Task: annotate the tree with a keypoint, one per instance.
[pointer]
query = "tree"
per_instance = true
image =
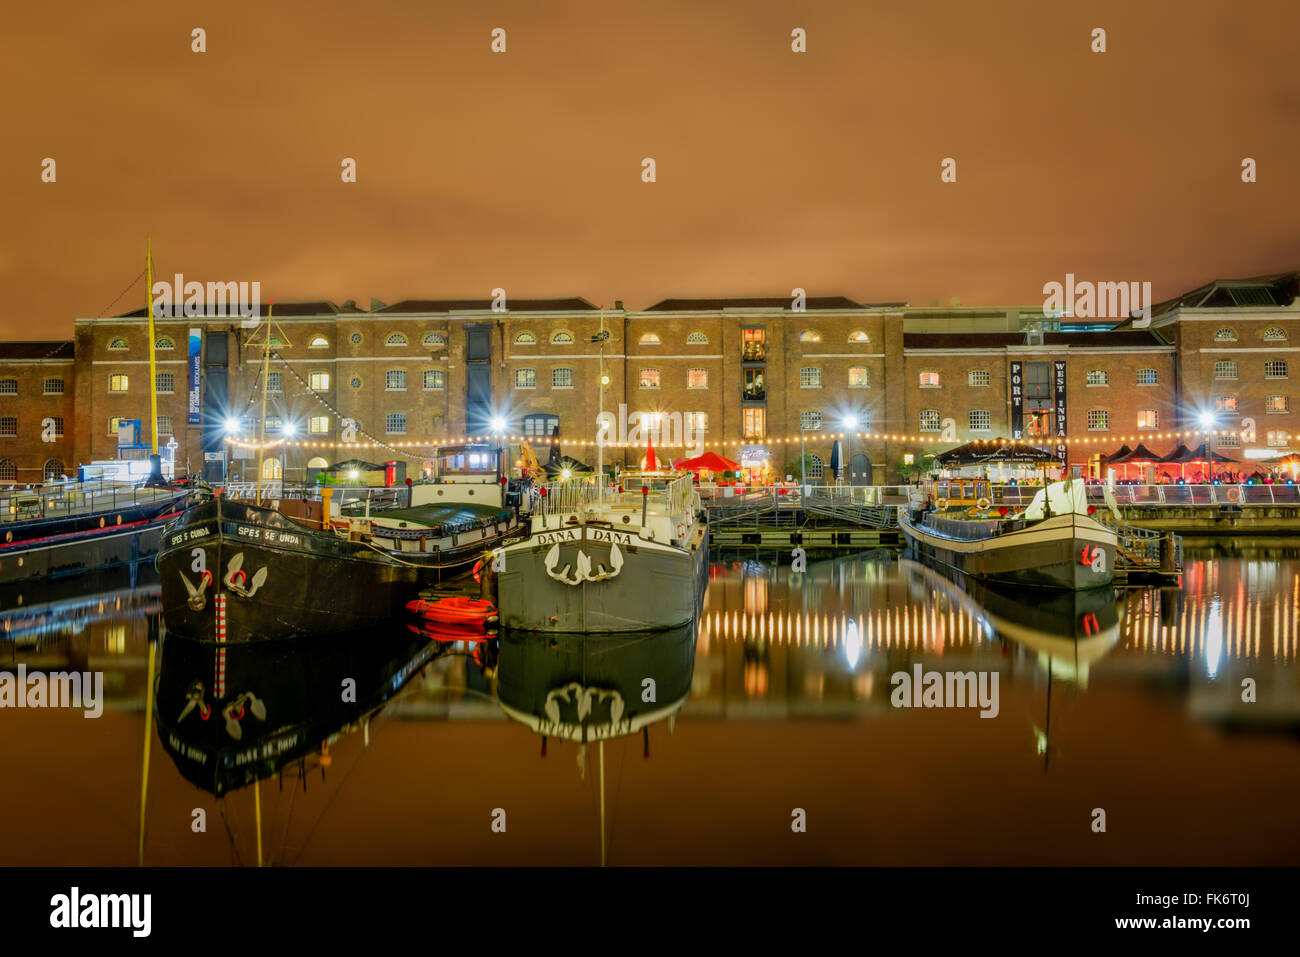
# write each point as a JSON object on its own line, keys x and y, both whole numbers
{"x": 801, "y": 466}
{"x": 922, "y": 465}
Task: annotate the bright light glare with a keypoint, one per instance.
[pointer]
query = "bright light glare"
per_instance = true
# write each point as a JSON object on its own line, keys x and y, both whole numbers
{"x": 290, "y": 429}
{"x": 498, "y": 424}
{"x": 232, "y": 425}
{"x": 850, "y": 422}
{"x": 1207, "y": 419}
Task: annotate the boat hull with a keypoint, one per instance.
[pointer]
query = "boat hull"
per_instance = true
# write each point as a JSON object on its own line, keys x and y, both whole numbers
{"x": 296, "y": 581}
{"x": 1058, "y": 552}
{"x": 657, "y": 585}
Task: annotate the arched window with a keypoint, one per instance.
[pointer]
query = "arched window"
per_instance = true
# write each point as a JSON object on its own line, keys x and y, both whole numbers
{"x": 858, "y": 335}
{"x": 117, "y": 344}
{"x": 562, "y": 338}
{"x": 395, "y": 339}
{"x": 53, "y": 471}
{"x": 318, "y": 342}
{"x": 809, "y": 336}
{"x": 650, "y": 339}
{"x": 1225, "y": 334}
{"x": 697, "y": 338}
{"x": 164, "y": 342}
{"x": 813, "y": 464}
{"x": 8, "y": 471}
{"x": 434, "y": 340}
{"x": 1274, "y": 334}
{"x": 525, "y": 339}
{"x": 1225, "y": 369}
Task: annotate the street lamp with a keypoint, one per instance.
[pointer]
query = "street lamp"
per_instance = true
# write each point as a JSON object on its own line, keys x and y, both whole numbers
{"x": 850, "y": 424}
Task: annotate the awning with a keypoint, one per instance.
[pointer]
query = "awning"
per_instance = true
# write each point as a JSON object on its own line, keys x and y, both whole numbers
{"x": 993, "y": 452}
{"x": 710, "y": 461}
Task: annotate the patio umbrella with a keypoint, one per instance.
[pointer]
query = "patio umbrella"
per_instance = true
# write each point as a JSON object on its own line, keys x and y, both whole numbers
{"x": 650, "y": 464}
{"x": 710, "y": 461}
{"x": 837, "y": 453}
{"x": 555, "y": 446}
{"x": 1118, "y": 454}
{"x": 555, "y": 468}
{"x": 993, "y": 453}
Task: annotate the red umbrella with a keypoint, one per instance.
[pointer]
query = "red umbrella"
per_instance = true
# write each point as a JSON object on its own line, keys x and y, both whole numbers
{"x": 710, "y": 461}
{"x": 650, "y": 464}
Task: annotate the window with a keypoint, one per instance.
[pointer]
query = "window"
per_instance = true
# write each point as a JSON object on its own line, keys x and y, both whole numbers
{"x": 355, "y": 383}
{"x": 754, "y": 345}
{"x": 274, "y": 382}
{"x": 980, "y": 420}
{"x": 650, "y": 339}
{"x": 1274, "y": 334}
{"x": 395, "y": 339}
{"x": 163, "y": 342}
{"x": 1276, "y": 439}
{"x": 55, "y": 386}
{"x": 434, "y": 340}
{"x": 813, "y": 465}
{"x": 525, "y": 339}
{"x": 810, "y": 421}
{"x": 1098, "y": 420}
{"x": 754, "y": 388}
{"x": 1097, "y": 377}
{"x": 859, "y": 336}
{"x": 1277, "y": 403}
{"x": 318, "y": 342}
{"x": 8, "y": 386}
{"x": 114, "y": 424}
{"x": 56, "y": 423}
{"x": 1224, "y": 334}
{"x": 319, "y": 381}
{"x": 1225, "y": 369}
{"x": 929, "y": 380}
{"x": 274, "y": 425}
{"x": 1038, "y": 380}
{"x": 435, "y": 379}
{"x": 1148, "y": 419}
{"x": 1273, "y": 369}
{"x": 697, "y": 378}
{"x": 117, "y": 383}
{"x": 978, "y": 377}
{"x": 53, "y": 471}
{"x": 810, "y": 377}
{"x": 8, "y": 426}
{"x": 859, "y": 378}
{"x": 1147, "y": 377}
{"x": 540, "y": 426}
{"x": 318, "y": 424}
{"x": 395, "y": 423}
{"x": 525, "y": 378}
{"x": 355, "y": 338}
{"x": 755, "y": 423}
{"x": 164, "y": 425}
{"x": 929, "y": 420}
{"x": 697, "y": 338}
{"x": 697, "y": 423}
{"x": 1228, "y": 440}
{"x": 395, "y": 380}
{"x": 1226, "y": 403}
{"x": 8, "y": 471}
{"x": 561, "y": 378}
{"x": 117, "y": 344}
{"x": 561, "y": 338}
{"x": 809, "y": 336}
{"x": 649, "y": 378}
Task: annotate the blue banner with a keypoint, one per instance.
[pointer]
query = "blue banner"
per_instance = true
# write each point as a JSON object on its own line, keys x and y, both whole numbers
{"x": 195, "y": 373}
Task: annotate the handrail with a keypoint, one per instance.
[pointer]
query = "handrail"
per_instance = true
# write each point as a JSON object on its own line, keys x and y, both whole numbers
{"x": 70, "y": 498}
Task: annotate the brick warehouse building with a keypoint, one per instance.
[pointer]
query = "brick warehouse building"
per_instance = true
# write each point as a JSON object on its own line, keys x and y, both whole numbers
{"x": 752, "y": 374}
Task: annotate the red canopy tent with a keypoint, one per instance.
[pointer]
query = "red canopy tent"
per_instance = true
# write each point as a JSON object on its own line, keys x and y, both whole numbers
{"x": 650, "y": 463}
{"x": 709, "y": 461}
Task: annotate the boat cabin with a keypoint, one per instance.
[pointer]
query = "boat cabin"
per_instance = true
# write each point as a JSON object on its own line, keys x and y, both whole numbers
{"x": 468, "y": 463}
{"x": 962, "y": 493}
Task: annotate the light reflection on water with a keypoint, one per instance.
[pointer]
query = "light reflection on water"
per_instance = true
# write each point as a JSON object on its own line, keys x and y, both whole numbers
{"x": 1130, "y": 700}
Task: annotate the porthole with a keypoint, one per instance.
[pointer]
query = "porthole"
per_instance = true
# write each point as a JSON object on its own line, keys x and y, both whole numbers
{"x": 355, "y": 382}
{"x": 355, "y": 338}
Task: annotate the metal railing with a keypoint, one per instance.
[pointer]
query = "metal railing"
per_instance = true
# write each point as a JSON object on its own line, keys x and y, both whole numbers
{"x": 1201, "y": 494}
{"x": 67, "y": 499}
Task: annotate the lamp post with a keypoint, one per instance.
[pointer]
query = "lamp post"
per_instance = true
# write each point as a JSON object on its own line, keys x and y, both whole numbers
{"x": 851, "y": 426}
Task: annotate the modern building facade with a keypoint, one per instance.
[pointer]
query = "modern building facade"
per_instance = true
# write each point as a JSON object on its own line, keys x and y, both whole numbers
{"x": 753, "y": 378}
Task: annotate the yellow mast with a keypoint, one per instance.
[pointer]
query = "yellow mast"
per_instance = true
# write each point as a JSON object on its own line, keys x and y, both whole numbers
{"x": 266, "y": 366}
{"x": 153, "y": 371}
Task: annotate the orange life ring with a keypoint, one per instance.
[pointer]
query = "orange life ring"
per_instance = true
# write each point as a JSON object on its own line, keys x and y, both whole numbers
{"x": 941, "y": 504}
{"x": 983, "y": 504}
{"x": 1233, "y": 494}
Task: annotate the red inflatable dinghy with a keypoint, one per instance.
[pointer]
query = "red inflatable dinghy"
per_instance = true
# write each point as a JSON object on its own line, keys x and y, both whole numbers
{"x": 456, "y": 610}
{"x": 436, "y": 632}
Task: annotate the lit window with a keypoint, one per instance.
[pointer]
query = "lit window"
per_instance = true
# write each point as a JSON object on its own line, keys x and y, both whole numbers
{"x": 525, "y": 378}
{"x": 1098, "y": 377}
{"x": 859, "y": 378}
{"x": 395, "y": 380}
{"x": 274, "y": 382}
{"x": 54, "y": 387}
{"x": 649, "y": 378}
{"x": 318, "y": 424}
{"x": 1098, "y": 420}
{"x": 164, "y": 425}
{"x": 859, "y": 336}
{"x": 435, "y": 379}
{"x": 809, "y": 336}
{"x": 650, "y": 339}
{"x": 754, "y": 345}
{"x": 929, "y": 420}
{"x": 1224, "y": 334}
{"x": 395, "y": 339}
{"x": 117, "y": 344}
{"x": 163, "y": 342}
{"x": 525, "y": 339}
{"x": 1226, "y": 403}
{"x": 274, "y": 424}
{"x": 697, "y": 423}
{"x": 114, "y": 424}
{"x": 978, "y": 377}
{"x": 1275, "y": 369}
{"x": 810, "y": 421}
{"x": 1276, "y": 439}
{"x": 980, "y": 420}
{"x": 1225, "y": 369}
{"x": 434, "y": 340}
{"x": 755, "y": 423}
{"x": 697, "y": 339}
{"x": 1274, "y": 334}
{"x": 697, "y": 379}
{"x": 929, "y": 380}
{"x": 1147, "y": 377}
{"x": 562, "y": 338}
{"x": 810, "y": 377}
{"x": 117, "y": 383}
{"x": 319, "y": 381}
{"x": 540, "y": 425}
{"x": 395, "y": 423}
{"x": 1277, "y": 403}
{"x": 1228, "y": 440}
{"x": 8, "y": 386}
{"x": 318, "y": 342}
{"x": 1148, "y": 419}
{"x": 561, "y": 378}
{"x": 165, "y": 382}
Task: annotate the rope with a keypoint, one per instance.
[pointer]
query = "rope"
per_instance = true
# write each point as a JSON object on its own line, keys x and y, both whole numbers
{"x": 122, "y": 293}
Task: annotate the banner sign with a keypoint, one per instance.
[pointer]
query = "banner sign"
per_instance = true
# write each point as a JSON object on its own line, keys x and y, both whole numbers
{"x": 1058, "y": 374}
{"x": 195, "y": 375}
{"x": 1017, "y": 400}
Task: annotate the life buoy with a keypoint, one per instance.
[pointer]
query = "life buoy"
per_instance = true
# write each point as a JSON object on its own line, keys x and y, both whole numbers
{"x": 941, "y": 504}
{"x": 982, "y": 504}
{"x": 1233, "y": 494}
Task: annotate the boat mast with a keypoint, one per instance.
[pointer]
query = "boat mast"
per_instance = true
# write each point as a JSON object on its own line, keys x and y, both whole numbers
{"x": 600, "y": 391}
{"x": 266, "y": 367}
{"x": 153, "y": 369}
